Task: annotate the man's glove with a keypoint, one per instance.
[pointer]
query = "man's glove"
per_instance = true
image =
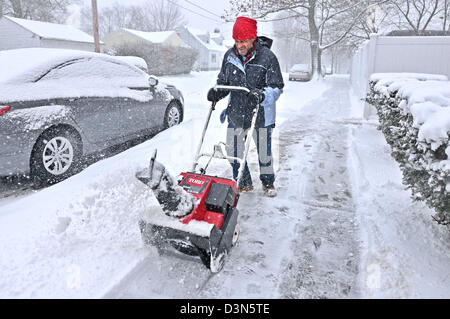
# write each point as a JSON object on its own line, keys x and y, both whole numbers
{"x": 213, "y": 95}
{"x": 256, "y": 96}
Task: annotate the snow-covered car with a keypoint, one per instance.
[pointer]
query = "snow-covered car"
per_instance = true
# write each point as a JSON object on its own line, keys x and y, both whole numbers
{"x": 300, "y": 72}
{"x": 57, "y": 106}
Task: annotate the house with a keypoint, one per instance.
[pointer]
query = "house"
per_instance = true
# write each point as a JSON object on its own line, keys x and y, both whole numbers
{"x": 18, "y": 33}
{"x": 217, "y": 37}
{"x": 121, "y": 36}
{"x": 210, "y": 48}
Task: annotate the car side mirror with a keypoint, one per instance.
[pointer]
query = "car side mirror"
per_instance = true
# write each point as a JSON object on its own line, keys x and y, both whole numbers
{"x": 153, "y": 81}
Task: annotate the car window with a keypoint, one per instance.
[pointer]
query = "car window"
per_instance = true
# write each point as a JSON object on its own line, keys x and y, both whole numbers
{"x": 300, "y": 68}
{"x": 91, "y": 67}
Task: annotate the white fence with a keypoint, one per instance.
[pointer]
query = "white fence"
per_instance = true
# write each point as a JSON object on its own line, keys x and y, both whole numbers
{"x": 399, "y": 54}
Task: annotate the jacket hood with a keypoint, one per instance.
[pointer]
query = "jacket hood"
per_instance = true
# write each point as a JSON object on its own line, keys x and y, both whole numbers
{"x": 264, "y": 41}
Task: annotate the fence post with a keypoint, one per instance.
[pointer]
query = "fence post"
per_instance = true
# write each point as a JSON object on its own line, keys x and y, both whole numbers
{"x": 370, "y": 68}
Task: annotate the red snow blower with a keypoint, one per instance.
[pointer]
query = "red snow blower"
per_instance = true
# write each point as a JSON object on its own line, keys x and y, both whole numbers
{"x": 199, "y": 215}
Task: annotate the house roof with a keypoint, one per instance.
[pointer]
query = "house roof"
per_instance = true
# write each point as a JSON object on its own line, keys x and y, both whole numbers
{"x": 55, "y": 31}
{"x": 195, "y": 31}
{"x": 154, "y": 37}
{"x": 212, "y": 45}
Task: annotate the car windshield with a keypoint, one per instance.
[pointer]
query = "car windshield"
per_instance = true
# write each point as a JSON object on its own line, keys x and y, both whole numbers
{"x": 24, "y": 65}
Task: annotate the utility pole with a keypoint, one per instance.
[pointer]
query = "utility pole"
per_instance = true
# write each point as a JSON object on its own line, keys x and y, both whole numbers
{"x": 95, "y": 25}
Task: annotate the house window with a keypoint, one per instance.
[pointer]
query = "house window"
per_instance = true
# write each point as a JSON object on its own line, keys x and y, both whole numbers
{"x": 213, "y": 58}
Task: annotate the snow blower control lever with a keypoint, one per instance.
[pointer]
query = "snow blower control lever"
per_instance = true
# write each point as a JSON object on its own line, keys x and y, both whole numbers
{"x": 218, "y": 152}
{"x": 201, "y": 209}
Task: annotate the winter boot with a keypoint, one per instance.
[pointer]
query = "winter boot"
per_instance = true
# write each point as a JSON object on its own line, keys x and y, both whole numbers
{"x": 245, "y": 189}
{"x": 269, "y": 190}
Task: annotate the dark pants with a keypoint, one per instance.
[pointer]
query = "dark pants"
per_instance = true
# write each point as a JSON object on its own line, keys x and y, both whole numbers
{"x": 236, "y": 146}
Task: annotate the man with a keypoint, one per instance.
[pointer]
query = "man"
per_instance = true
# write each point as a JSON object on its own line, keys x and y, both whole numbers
{"x": 250, "y": 63}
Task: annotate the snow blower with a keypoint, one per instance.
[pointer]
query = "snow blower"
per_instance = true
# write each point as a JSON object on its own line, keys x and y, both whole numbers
{"x": 199, "y": 215}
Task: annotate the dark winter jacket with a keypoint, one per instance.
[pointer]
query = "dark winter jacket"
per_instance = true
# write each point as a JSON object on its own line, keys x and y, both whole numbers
{"x": 262, "y": 71}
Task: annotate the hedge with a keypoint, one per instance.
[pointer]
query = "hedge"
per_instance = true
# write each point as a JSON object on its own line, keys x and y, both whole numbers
{"x": 425, "y": 171}
{"x": 161, "y": 60}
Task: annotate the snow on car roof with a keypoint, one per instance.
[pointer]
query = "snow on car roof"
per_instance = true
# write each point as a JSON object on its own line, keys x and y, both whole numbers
{"x": 22, "y": 65}
{"x": 53, "y": 30}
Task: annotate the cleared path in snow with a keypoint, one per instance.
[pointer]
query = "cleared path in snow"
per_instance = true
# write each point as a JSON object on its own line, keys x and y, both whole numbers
{"x": 302, "y": 244}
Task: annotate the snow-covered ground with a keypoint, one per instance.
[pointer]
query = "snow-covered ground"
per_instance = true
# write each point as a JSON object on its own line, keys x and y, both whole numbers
{"x": 342, "y": 225}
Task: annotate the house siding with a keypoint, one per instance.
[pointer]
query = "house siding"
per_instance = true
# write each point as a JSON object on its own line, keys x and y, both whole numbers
{"x": 202, "y": 62}
{"x": 61, "y": 44}
{"x": 13, "y": 36}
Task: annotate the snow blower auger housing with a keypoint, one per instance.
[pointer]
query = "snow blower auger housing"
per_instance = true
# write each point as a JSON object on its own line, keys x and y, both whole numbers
{"x": 199, "y": 215}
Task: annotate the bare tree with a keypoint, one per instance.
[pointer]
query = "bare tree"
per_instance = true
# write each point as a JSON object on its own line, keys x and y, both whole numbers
{"x": 163, "y": 15}
{"x": 109, "y": 19}
{"x": 417, "y": 15}
{"x": 378, "y": 19}
{"x": 152, "y": 16}
{"x": 41, "y": 10}
{"x": 446, "y": 16}
{"x": 291, "y": 48}
{"x": 2, "y": 6}
{"x": 328, "y": 22}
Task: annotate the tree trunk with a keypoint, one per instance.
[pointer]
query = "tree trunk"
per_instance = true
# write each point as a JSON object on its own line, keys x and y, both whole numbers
{"x": 314, "y": 36}
{"x": 319, "y": 63}
{"x": 333, "y": 60}
{"x": 288, "y": 55}
{"x": 446, "y": 13}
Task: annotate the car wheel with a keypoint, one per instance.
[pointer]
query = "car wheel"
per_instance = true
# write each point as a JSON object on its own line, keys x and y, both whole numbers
{"x": 55, "y": 155}
{"x": 173, "y": 115}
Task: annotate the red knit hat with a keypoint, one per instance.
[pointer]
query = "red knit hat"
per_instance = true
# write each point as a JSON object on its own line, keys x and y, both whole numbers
{"x": 244, "y": 28}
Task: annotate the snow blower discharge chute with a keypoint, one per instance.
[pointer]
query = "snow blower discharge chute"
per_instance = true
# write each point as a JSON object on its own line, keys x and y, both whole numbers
{"x": 200, "y": 217}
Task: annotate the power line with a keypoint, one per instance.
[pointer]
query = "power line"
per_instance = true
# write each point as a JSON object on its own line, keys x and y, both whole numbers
{"x": 199, "y": 14}
{"x": 196, "y": 5}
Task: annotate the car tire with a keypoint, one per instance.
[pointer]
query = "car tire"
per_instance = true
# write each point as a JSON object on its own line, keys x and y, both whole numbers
{"x": 56, "y": 155}
{"x": 173, "y": 115}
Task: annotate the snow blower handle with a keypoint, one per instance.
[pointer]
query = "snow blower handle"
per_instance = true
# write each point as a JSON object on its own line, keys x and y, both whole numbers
{"x": 213, "y": 106}
{"x": 231, "y": 88}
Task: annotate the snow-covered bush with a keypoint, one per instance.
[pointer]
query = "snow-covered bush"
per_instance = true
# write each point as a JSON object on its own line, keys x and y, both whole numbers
{"x": 414, "y": 116}
{"x": 161, "y": 60}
